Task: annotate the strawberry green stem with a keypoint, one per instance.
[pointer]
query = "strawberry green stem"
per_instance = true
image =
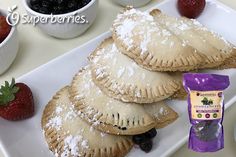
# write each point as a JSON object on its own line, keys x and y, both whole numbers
{"x": 7, "y": 92}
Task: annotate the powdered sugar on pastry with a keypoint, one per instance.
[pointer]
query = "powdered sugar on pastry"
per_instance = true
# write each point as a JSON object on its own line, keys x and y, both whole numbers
{"x": 58, "y": 110}
{"x": 71, "y": 145}
{"x": 75, "y": 137}
{"x": 125, "y": 68}
{"x": 125, "y": 79}
{"x": 137, "y": 35}
{"x": 126, "y": 32}
{"x": 201, "y": 28}
{"x": 212, "y": 45}
{"x": 163, "y": 114}
{"x": 114, "y": 116}
{"x": 125, "y": 28}
{"x": 55, "y": 122}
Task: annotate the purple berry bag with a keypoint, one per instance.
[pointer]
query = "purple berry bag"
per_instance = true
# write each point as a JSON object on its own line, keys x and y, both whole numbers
{"x": 206, "y": 110}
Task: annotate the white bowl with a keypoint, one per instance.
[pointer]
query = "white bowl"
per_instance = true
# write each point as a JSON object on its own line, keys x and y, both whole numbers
{"x": 134, "y": 3}
{"x": 66, "y": 30}
{"x": 8, "y": 48}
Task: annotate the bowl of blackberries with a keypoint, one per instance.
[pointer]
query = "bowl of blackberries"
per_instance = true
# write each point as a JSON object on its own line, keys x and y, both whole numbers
{"x": 62, "y": 18}
{"x": 8, "y": 42}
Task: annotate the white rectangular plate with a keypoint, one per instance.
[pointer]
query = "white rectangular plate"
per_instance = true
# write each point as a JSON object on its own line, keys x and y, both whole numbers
{"x": 25, "y": 138}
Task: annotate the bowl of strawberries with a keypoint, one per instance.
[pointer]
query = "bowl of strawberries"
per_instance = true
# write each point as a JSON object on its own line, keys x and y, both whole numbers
{"x": 8, "y": 43}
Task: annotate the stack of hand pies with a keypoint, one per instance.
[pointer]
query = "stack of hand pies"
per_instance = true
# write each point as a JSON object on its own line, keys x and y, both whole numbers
{"x": 122, "y": 92}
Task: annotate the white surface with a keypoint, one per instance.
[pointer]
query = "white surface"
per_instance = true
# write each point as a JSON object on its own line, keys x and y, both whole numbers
{"x": 235, "y": 132}
{"x": 24, "y": 139}
{"x": 8, "y": 48}
{"x": 134, "y": 3}
{"x": 66, "y": 30}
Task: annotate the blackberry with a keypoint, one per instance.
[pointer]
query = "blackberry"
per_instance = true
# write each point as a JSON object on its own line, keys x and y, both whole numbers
{"x": 146, "y": 146}
{"x": 57, "y": 6}
{"x": 151, "y": 133}
{"x": 46, "y": 4}
{"x": 61, "y": 9}
{"x": 141, "y": 138}
{"x": 36, "y": 7}
{"x": 138, "y": 139}
{"x": 44, "y": 10}
{"x": 207, "y": 130}
{"x": 34, "y": 2}
{"x": 72, "y": 5}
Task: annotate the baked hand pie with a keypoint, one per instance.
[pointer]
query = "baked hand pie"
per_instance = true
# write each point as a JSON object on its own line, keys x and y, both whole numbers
{"x": 121, "y": 78}
{"x": 217, "y": 50}
{"x": 151, "y": 45}
{"x": 69, "y": 136}
{"x": 110, "y": 115}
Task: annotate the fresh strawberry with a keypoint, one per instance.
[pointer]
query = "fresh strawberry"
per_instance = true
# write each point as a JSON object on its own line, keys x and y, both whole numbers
{"x": 16, "y": 101}
{"x": 191, "y": 8}
{"x": 5, "y": 28}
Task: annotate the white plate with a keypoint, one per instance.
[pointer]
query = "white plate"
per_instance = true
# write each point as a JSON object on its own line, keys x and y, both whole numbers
{"x": 25, "y": 138}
